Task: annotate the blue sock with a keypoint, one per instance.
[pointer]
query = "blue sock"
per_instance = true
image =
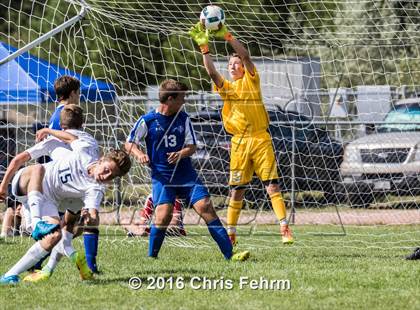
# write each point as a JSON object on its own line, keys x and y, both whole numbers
{"x": 219, "y": 234}
{"x": 155, "y": 240}
{"x": 91, "y": 250}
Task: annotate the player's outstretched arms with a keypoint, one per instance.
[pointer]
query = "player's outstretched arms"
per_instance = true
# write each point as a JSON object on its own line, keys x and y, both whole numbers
{"x": 187, "y": 151}
{"x": 132, "y": 148}
{"x": 14, "y": 166}
{"x": 211, "y": 70}
{"x": 200, "y": 36}
{"x": 62, "y": 135}
{"x": 223, "y": 33}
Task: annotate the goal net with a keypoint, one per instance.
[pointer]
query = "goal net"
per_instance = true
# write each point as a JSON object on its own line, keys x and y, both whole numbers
{"x": 336, "y": 78}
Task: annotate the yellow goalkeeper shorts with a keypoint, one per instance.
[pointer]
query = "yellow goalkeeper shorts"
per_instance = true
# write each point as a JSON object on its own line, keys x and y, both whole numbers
{"x": 249, "y": 154}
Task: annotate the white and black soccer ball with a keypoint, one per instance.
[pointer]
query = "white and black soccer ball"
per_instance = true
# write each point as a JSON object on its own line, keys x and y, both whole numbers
{"x": 212, "y": 17}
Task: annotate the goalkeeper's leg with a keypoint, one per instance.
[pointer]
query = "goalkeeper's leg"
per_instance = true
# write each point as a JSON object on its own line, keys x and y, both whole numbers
{"x": 279, "y": 207}
{"x": 234, "y": 211}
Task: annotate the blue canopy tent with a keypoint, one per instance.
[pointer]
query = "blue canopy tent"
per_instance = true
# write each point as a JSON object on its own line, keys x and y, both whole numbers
{"x": 29, "y": 79}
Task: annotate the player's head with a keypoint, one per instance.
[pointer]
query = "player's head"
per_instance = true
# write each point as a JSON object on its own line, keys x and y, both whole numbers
{"x": 115, "y": 163}
{"x": 172, "y": 94}
{"x": 71, "y": 117}
{"x": 67, "y": 88}
{"x": 236, "y": 67}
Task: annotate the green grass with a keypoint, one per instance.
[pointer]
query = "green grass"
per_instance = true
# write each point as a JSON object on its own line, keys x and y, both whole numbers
{"x": 364, "y": 269}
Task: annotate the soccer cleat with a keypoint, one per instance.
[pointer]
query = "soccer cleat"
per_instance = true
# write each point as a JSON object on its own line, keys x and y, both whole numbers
{"x": 9, "y": 280}
{"x": 415, "y": 255}
{"x": 286, "y": 234}
{"x": 43, "y": 228}
{"x": 81, "y": 264}
{"x": 241, "y": 256}
{"x": 37, "y": 276}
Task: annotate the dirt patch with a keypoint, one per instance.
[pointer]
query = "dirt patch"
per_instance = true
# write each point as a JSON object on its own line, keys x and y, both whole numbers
{"x": 302, "y": 217}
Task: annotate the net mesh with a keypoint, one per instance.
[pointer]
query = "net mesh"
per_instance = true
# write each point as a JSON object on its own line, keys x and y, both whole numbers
{"x": 330, "y": 73}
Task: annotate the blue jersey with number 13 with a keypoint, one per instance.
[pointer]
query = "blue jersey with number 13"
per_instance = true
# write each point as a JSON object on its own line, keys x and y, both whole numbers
{"x": 163, "y": 135}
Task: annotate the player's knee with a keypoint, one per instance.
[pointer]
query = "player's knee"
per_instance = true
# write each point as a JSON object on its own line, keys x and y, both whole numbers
{"x": 163, "y": 219}
{"x": 237, "y": 193}
{"x": 205, "y": 209}
{"x": 272, "y": 187}
{"x": 70, "y": 218}
{"x": 93, "y": 219}
{"x": 56, "y": 236}
{"x": 92, "y": 222}
{"x": 51, "y": 240}
{"x": 38, "y": 170}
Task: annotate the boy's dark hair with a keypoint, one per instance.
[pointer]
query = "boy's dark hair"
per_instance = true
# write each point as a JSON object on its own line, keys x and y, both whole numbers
{"x": 170, "y": 88}
{"x": 71, "y": 117}
{"x": 64, "y": 85}
{"x": 121, "y": 158}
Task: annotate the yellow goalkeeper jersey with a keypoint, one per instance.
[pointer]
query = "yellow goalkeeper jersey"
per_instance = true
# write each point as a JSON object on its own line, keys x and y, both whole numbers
{"x": 243, "y": 110}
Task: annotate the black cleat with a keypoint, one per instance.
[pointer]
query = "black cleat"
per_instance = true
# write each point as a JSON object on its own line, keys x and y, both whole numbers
{"x": 414, "y": 255}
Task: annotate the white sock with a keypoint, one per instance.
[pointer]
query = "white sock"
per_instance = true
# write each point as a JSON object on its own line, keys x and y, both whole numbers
{"x": 27, "y": 216}
{"x": 31, "y": 257}
{"x": 35, "y": 199}
{"x": 231, "y": 230}
{"x": 55, "y": 256}
{"x": 67, "y": 238}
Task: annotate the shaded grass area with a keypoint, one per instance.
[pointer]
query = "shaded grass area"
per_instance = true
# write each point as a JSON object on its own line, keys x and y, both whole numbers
{"x": 364, "y": 269}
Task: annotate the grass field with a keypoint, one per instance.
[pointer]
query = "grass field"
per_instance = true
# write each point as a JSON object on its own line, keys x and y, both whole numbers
{"x": 364, "y": 269}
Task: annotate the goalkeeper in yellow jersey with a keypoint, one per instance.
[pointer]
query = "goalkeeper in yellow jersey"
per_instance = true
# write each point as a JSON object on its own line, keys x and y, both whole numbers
{"x": 244, "y": 116}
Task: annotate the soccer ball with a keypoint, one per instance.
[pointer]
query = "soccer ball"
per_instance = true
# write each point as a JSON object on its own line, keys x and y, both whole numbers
{"x": 212, "y": 17}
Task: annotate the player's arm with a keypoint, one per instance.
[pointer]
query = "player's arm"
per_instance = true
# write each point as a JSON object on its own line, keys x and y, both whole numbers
{"x": 62, "y": 135}
{"x": 133, "y": 149}
{"x": 200, "y": 36}
{"x": 14, "y": 166}
{"x": 186, "y": 151}
{"x": 137, "y": 134}
{"x": 239, "y": 48}
{"x": 211, "y": 70}
{"x": 92, "y": 203}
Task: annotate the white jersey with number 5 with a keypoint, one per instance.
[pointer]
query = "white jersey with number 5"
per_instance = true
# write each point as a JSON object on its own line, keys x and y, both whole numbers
{"x": 68, "y": 177}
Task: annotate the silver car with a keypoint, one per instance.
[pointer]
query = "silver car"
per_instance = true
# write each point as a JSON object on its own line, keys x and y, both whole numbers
{"x": 387, "y": 161}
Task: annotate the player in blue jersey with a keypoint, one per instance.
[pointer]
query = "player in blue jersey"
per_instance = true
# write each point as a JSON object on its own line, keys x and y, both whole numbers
{"x": 170, "y": 141}
{"x": 67, "y": 90}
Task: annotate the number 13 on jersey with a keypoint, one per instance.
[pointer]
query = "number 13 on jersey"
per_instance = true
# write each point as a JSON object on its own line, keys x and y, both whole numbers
{"x": 170, "y": 141}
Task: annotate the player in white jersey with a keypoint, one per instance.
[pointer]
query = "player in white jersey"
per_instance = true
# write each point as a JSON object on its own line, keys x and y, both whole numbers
{"x": 78, "y": 175}
{"x": 72, "y": 119}
{"x": 73, "y": 177}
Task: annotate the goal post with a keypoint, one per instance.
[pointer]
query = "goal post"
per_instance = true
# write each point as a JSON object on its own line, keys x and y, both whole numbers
{"x": 333, "y": 74}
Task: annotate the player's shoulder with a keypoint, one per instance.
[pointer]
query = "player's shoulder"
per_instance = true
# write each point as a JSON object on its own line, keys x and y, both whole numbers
{"x": 183, "y": 115}
{"x": 150, "y": 116}
{"x": 83, "y": 136}
{"x": 59, "y": 108}
{"x": 251, "y": 74}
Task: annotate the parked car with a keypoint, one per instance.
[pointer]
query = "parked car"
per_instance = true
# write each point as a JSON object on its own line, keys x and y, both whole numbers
{"x": 388, "y": 161}
{"x": 317, "y": 160}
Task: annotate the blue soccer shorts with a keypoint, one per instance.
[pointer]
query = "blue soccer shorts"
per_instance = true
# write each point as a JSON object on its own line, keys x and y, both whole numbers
{"x": 164, "y": 193}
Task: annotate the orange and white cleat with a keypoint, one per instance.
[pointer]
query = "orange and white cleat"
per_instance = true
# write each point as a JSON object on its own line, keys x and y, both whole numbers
{"x": 286, "y": 234}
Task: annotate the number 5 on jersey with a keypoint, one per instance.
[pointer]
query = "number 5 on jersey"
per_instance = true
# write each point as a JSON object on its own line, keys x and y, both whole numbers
{"x": 65, "y": 175}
